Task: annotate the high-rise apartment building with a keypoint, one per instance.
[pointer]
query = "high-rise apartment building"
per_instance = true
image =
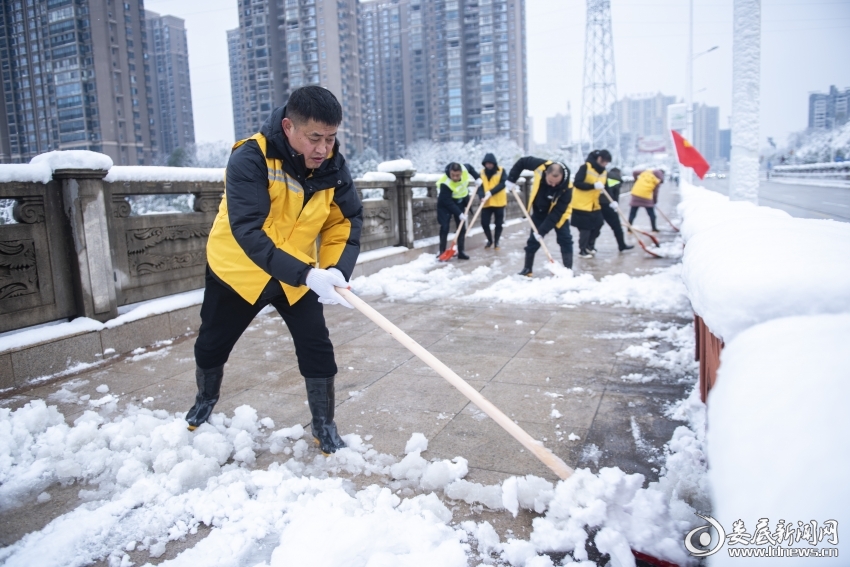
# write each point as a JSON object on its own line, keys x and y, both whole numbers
{"x": 707, "y": 131}
{"x": 237, "y": 89}
{"x": 462, "y": 70}
{"x": 826, "y": 111}
{"x": 643, "y": 122}
{"x": 78, "y": 74}
{"x": 285, "y": 44}
{"x": 169, "y": 57}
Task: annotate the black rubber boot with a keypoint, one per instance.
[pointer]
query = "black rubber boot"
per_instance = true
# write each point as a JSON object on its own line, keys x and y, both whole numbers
{"x": 209, "y": 385}
{"x": 529, "y": 262}
{"x": 568, "y": 259}
{"x": 320, "y": 397}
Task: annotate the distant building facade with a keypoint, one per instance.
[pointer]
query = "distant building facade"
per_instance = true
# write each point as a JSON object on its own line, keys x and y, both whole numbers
{"x": 725, "y": 144}
{"x": 643, "y": 122}
{"x": 707, "y": 132}
{"x": 286, "y": 44}
{"x": 827, "y": 111}
{"x": 169, "y": 55}
{"x": 559, "y": 129}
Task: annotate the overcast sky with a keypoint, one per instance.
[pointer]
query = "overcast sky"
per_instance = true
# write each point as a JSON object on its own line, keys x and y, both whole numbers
{"x": 805, "y": 47}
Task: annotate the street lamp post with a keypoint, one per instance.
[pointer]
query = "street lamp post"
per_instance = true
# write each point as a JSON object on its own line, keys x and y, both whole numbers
{"x": 689, "y": 111}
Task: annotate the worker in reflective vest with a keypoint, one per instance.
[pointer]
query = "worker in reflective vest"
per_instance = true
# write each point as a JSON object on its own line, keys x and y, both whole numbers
{"x": 285, "y": 187}
{"x": 586, "y": 214}
{"x": 492, "y": 193}
{"x": 610, "y": 208}
{"x": 453, "y": 196}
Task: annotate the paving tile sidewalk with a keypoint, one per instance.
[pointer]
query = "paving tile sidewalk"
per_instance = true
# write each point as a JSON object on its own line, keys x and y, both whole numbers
{"x": 385, "y": 392}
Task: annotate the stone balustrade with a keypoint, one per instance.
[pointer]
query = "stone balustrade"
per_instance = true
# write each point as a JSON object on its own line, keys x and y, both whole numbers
{"x": 74, "y": 247}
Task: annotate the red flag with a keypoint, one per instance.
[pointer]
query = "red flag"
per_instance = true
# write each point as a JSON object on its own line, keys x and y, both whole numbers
{"x": 689, "y": 156}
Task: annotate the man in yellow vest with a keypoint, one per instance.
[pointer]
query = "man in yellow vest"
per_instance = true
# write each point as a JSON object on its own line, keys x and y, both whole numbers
{"x": 453, "y": 196}
{"x": 586, "y": 216}
{"x": 491, "y": 191}
{"x": 645, "y": 193}
{"x": 548, "y": 206}
{"x": 285, "y": 187}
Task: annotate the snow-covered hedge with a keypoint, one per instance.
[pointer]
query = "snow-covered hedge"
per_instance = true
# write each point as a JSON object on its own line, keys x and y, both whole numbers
{"x": 776, "y": 289}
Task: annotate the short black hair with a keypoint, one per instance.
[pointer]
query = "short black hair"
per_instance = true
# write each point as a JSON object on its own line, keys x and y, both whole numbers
{"x": 453, "y": 166}
{"x": 316, "y": 103}
{"x": 605, "y": 155}
{"x": 614, "y": 171}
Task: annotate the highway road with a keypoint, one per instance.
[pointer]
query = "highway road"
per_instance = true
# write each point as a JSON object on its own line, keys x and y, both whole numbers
{"x": 804, "y": 201}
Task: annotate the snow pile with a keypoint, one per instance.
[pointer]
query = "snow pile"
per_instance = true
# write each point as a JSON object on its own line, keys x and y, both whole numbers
{"x": 426, "y": 279}
{"x": 121, "y": 173}
{"x": 40, "y": 169}
{"x": 427, "y": 177}
{"x": 779, "y": 426}
{"x": 395, "y": 166}
{"x": 378, "y": 175}
{"x": 744, "y": 264}
{"x": 664, "y": 346}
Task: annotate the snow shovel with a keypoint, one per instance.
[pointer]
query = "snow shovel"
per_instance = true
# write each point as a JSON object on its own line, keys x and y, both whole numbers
{"x": 676, "y": 228}
{"x": 547, "y": 457}
{"x": 451, "y": 251}
{"x": 533, "y": 228}
{"x": 635, "y": 231}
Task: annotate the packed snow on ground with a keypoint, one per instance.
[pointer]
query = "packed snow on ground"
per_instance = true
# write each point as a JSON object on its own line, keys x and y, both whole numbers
{"x": 146, "y": 481}
{"x": 745, "y": 264}
{"x": 426, "y": 279}
{"x": 779, "y": 428}
{"x": 665, "y": 346}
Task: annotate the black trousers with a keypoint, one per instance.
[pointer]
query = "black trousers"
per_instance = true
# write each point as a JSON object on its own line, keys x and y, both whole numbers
{"x": 225, "y": 316}
{"x": 444, "y": 234}
{"x": 562, "y": 235}
{"x": 613, "y": 219}
{"x": 486, "y": 214}
{"x": 649, "y": 210}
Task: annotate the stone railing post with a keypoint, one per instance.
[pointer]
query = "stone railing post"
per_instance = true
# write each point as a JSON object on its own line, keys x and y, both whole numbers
{"x": 404, "y": 190}
{"x": 84, "y": 201}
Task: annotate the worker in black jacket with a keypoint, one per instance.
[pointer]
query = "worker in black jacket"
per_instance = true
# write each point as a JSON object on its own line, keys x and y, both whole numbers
{"x": 548, "y": 206}
{"x": 586, "y": 216}
{"x": 286, "y": 186}
{"x": 610, "y": 208}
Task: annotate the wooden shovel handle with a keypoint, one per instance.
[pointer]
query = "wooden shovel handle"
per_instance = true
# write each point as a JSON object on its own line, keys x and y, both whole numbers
{"x": 547, "y": 457}
{"x": 533, "y": 228}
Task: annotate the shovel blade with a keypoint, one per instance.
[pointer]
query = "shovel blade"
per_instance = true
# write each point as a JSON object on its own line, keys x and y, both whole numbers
{"x": 447, "y": 255}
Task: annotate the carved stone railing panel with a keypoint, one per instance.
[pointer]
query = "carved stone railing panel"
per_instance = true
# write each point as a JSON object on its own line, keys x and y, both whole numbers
{"x": 380, "y": 215}
{"x": 36, "y": 282}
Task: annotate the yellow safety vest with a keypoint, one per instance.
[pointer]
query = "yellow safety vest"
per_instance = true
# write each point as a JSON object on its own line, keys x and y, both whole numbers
{"x": 645, "y": 184}
{"x": 500, "y": 199}
{"x": 460, "y": 189}
{"x": 291, "y": 225}
{"x": 535, "y": 186}
{"x": 588, "y": 200}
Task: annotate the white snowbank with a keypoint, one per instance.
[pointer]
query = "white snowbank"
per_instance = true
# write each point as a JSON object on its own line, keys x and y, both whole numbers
{"x": 426, "y": 279}
{"x": 779, "y": 427}
{"x": 397, "y": 165}
{"x": 121, "y": 173}
{"x": 380, "y": 253}
{"x": 378, "y": 176}
{"x": 40, "y": 169}
{"x": 135, "y": 312}
{"x": 745, "y": 264}
{"x": 426, "y": 177}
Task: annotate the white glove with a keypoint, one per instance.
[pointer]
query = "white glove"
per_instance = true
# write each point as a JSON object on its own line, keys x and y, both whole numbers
{"x": 487, "y": 195}
{"x": 511, "y": 186}
{"x": 598, "y": 185}
{"x": 615, "y": 206}
{"x": 323, "y": 282}
{"x": 478, "y": 182}
{"x": 463, "y": 217}
{"x": 538, "y": 237}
